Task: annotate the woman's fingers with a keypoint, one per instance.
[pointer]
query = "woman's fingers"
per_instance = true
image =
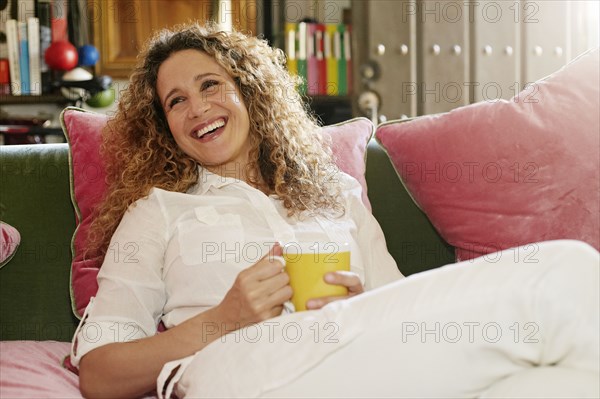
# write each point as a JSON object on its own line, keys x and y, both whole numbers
{"x": 261, "y": 289}
{"x": 268, "y": 266}
{"x": 347, "y": 279}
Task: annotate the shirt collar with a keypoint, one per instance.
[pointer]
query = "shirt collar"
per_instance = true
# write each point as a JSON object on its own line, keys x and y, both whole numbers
{"x": 208, "y": 179}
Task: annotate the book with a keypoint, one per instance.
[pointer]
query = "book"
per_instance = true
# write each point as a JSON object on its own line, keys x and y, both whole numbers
{"x": 302, "y": 65}
{"x": 58, "y": 21}
{"x": 348, "y": 55}
{"x": 35, "y": 74}
{"x": 331, "y": 58}
{"x": 340, "y": 55}
{"x": 312, "y": 71}
{"x": 43, "y": 13}
{"x": 12, "y": 42}
{"x": 320, "y": 56}
{"x": 23, "y": 57}
{"x": 290, "y": 47}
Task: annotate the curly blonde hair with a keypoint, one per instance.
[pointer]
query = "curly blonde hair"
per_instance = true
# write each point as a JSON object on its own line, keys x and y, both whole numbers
{"x": 293, "y": 158}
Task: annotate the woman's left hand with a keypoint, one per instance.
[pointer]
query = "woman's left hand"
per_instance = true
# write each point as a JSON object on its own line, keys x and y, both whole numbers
{"x": 347, "y": 279}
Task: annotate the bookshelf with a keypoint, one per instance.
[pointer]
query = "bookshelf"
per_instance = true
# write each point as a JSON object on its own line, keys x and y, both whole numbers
{"x": 317, "y": 39}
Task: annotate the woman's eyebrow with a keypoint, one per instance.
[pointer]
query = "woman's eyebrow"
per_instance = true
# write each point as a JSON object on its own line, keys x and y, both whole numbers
{"x": 203, "y": 75}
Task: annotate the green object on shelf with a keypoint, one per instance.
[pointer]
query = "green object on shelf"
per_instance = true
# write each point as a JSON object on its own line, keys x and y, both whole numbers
{"x": 102, "y": 99}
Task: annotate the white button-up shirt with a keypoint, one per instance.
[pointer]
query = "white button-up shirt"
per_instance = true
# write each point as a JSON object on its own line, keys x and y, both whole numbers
{"x": 175, "y": 255}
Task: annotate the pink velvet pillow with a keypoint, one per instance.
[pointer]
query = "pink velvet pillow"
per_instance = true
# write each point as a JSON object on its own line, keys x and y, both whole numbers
{"x": 9, "y": 242}
{"x": 87, "y": 171}
{"x": 496, "y": 175}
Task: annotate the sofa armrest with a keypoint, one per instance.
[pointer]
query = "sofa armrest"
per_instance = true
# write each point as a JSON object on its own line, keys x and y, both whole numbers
{"x": 34, "y": 285}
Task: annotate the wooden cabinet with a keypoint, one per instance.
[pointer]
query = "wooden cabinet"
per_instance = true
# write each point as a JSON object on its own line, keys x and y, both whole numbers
{"x": 122, "y": 26}
{"x": 546, "y": 47}
{"x": 432, "y": 56}
{"x": 392, "y": 47}
{"x": 443, "y": 59}
{"x": 495, "y": 50}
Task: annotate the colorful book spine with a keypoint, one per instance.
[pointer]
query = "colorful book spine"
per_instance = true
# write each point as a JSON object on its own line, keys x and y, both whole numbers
{"x": 320, "y": 55}
{"x": 290, "y": 47}
{"x": 59, "y": 20}
{"x": 302, "y": 62}
{"x": 311, "y": 60}
{"x": 340, "y": 55}
{"x": 12, "y": 39}
{"x": 348, "y": 55}
{"x": 35, "y": 75}
{"x": 24, "y": 57}
{"x": 331, "y": 38}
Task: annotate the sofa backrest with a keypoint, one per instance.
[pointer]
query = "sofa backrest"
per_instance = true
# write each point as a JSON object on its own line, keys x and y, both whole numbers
{"x": 35, "y": 195}
{"x": 411, "y": 239}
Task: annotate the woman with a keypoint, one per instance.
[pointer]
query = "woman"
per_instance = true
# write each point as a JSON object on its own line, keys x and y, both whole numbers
{"x": 212, "y": 161}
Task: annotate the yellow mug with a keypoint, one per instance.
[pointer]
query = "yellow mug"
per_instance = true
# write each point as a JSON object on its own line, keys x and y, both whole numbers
{"x": 307, "y": 263}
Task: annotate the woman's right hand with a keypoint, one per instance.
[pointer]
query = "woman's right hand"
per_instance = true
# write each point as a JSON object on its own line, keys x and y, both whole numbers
{"x": 258, "y": 292}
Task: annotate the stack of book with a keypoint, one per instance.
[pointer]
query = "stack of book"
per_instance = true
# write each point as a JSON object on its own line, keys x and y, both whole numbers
{"x": 321, "y": 55}
{"x": 23, "y": 41}
{"x": 27, "y": 39}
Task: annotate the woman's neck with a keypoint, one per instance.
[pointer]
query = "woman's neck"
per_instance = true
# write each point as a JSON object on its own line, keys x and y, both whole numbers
{"x": 249, "y": 175}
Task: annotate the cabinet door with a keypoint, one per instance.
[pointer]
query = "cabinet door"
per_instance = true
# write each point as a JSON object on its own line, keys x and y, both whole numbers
{"x": 392, "y": 46}
{"x": 495, "y": 50}
{"x": 442, "y": 38}
{"x": 122, "y": 26}
{"x": 546, "y": 46}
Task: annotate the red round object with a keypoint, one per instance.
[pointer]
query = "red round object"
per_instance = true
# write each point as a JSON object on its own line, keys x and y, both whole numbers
{"x": 61, "y": 55}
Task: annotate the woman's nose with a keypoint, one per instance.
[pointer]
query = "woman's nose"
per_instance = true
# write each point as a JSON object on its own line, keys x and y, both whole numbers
{"x": 199, "y": 105}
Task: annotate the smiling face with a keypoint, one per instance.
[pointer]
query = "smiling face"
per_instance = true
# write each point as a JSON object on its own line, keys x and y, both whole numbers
{"x": 205, "y": 112}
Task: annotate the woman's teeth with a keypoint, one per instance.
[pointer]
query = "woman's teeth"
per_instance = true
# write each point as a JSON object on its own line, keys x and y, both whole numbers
{"x": 215, "y": 125}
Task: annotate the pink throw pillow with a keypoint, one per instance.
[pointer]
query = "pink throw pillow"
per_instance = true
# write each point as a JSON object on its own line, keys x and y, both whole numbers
{"x": 494, "y": 175}
{"x": 87, "y": 172}
{"x": 9, "y": 242}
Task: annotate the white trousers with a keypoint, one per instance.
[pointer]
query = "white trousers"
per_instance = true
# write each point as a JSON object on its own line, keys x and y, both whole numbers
{"x": 519, "y": 323}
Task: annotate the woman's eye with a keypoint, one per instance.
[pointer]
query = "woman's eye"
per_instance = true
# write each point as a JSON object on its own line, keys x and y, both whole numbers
{"x": 208, "y": 84}
{"x": 175, "y": 101}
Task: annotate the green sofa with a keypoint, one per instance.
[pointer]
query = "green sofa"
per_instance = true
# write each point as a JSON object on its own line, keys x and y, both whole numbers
{"x": 34, "y": 285}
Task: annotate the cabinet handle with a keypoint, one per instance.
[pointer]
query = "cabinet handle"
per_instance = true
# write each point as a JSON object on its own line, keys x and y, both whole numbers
{"x": 456, "y": 49}
{"x": 380, "y": 49}
{"x": 435, "y": 49}
{"x": 403, "y": 49}
{"x": 487, "y": 50}
{"x": 558, "y": 51}
{"x": 538, "y": 50}
{"x": 508, "y": 50}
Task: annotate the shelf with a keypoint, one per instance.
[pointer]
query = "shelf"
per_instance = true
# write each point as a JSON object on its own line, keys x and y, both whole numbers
{"x": 27, "y": 100}
{"x": 30, "y": 130}
{"x": 328, "y": 99}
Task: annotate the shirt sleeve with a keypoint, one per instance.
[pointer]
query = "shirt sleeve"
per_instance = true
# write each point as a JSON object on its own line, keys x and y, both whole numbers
{"x": 380, "y": 266}
{"x": 131, "y": 293}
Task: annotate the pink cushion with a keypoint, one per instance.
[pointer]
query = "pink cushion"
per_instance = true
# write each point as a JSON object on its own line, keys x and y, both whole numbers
{"x": 33, "y": 369}
{"x": 349, "y": 146}
{"x": 9, "y": 242}
{"x": 83, "y": 129}
{"x": 495, "y": 175}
